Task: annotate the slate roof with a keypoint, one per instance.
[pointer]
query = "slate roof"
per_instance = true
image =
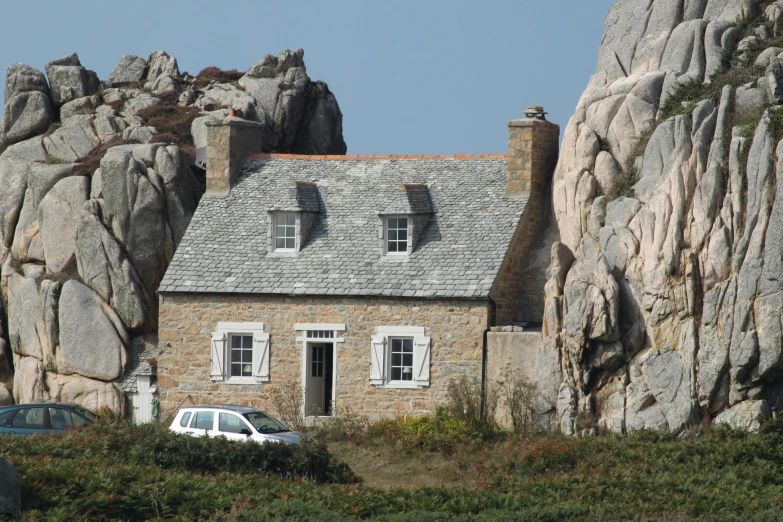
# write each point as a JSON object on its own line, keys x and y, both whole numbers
{"x": 458, "y": 255}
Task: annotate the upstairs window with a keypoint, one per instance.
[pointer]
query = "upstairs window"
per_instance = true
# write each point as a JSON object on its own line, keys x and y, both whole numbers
{"x": 285, "y": 232}
{"x": 396, "y": 235}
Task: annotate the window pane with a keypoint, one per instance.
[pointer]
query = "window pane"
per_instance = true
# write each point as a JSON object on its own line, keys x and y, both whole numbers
{"x": 60, "y": 419}
{"x": 185, "y": 419}
{"x": 402, "y": 235}
{"x": 396, "y": 344}
{"x": 402, "y": 223}
{"x": 280, "y": 231}
{"x": 247, "y": 370}
{"x": 392, "y": 235}
{"x": 407, "y": 345}
{"x": 396, "y": 374}
{"x": 396, "y": 359}
{"x": 407, "y": 359}
{"x": 392, "y": 222}
{"x": 247, "y": 341}
{"x": 203, "y": 420}
{"x": 280, "y": 220}
{"x": 236, "y": 341}
{"x": 29, "y": 418}
{"x": 229, "y": 423}
{"x": 392, "y": 246}
{"x": 236, "y": 355}
{"x": 236, "y": 370}
{"x": 4, "y": 417}
{"x": 77, "y": 420}
{"x": 279, "y": 242}
{"x": 290, "y": 243}
{"x": 247, "y": 356}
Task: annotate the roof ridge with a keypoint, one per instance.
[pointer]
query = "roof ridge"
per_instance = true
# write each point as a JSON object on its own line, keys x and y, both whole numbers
{"x": 374, "y": 156}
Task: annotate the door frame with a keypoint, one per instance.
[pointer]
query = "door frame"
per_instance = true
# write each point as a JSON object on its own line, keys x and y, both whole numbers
{"x": 303, "y": 337}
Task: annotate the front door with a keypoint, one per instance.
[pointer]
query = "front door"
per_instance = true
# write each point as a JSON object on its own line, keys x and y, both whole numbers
{"x": 318, "y": 386}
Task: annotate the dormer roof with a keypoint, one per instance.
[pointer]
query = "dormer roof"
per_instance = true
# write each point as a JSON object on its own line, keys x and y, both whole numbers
{"x": 408, "y": 199}
{"x": 467, "y": 235}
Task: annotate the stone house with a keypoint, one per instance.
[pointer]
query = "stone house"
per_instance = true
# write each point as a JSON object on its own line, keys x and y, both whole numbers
{"x": 370, "y": 281}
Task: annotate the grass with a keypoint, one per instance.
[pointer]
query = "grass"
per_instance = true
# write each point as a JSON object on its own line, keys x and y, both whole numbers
{"x": 143, "y": 473}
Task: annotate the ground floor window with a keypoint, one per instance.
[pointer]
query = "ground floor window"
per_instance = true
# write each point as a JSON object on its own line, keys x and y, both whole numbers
{"x": 400, "y": 357}
{"x": 240, "y": 353}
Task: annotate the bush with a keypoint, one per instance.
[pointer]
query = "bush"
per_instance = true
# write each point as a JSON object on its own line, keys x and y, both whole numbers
{"x": 172, "y": 120}
{"x": 215, "y": 74}
{"x": 518, "y": 395}
{"x": 286, "y": 403}
{"x": 150, "y": 445}
{"x": 466, "y": 404}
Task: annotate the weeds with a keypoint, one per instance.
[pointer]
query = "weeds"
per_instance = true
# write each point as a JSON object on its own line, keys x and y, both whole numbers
{"x": 286, "y": 402}
{"x": 518, "y": 395}
{"x": 467, "y": 403}
{"x": 87, "y": 165}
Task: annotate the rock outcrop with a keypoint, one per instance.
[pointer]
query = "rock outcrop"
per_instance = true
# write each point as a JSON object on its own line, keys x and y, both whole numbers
{"x": 10, "y": 490}
{"x": 669, "y": 199}
{"x": 94, "y": 199}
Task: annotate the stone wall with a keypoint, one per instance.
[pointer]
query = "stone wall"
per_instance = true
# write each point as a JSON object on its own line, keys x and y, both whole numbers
{"x": 456, "y": 328}
{"x": 511, "y": 354}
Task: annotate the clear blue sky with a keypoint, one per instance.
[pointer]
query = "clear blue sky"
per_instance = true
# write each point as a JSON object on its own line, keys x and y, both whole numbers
{"x": 411, "y": 77}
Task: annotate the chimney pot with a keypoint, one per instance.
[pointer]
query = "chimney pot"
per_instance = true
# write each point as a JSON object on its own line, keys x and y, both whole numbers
{"x": 533, "y": 145}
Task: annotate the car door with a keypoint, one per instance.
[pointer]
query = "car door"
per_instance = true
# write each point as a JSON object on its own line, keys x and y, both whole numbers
{"x": 62, "y": 419}
{"x": 230, "y": 426}
{"x": 203, "y": 423}
{"x": 28, "y": 421}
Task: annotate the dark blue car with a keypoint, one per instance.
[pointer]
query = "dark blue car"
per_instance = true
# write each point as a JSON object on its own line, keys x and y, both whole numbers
{"x": 26, "y": 419}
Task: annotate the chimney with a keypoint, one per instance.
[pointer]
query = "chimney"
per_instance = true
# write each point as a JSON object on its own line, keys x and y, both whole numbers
{"x": 228, "y": 143}
{"x": 533, "y": 145}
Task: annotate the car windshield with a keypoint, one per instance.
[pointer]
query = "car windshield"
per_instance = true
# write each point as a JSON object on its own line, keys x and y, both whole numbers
{"x": 265, "y": 423}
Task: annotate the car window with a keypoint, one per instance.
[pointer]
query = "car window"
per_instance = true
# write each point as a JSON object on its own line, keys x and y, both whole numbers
{"x": 60, "y": 419}
{"x": 32, "y": 418}
{"x": 87, "y": 413}
{"x": 184, "y": 420}
{"x": 230, "y": 423}
{"x": 203, "y": 420}
{"x": 265, "y": 423}
{"x": 4, "y": 417}
{"x": 78, "y": 420}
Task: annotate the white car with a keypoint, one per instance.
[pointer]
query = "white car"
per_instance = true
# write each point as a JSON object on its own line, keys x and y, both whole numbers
{"x": 240, "y": 423}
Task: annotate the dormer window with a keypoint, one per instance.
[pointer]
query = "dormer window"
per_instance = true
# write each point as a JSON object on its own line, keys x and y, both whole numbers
{"x": 285, "y": 232}
{"x": 397, "y": 235}
{"x": 291, "y": 218}
{"x": 403, "y": 220}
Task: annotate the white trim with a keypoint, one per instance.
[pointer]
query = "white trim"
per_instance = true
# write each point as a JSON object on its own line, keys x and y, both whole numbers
{"x": 337, "y": 327}
{"x": 273, "y": 232}
{"x": 236, "y": 328}
{"x": 385, "y": 238}
{"x": 308, "y": 419}
{"x": 405, "y": 331}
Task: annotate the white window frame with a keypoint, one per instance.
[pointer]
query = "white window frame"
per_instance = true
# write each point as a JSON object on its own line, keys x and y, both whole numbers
{"x": 408, "y": 233}
{"x": 261, "y": 353}
{"x": 380, "y": 377}
{"x": 297, "y": 224}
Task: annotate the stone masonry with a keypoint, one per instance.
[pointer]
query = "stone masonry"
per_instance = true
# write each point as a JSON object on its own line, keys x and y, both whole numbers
{"x": 531, "y": 159}
{"x": 229, "y": 141}
{"x": 456, "y": 328}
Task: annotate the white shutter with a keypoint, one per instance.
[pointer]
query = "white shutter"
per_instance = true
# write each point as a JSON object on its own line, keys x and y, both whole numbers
{"x": 421, "y": 360}
{"x": 261, "y": 356}
{"x": 217, "y": 371}
{"x": 377, "y": 359}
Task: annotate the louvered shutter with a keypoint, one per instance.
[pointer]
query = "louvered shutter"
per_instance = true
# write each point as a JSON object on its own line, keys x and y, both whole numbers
{"x": 261, "y": 356}
{"x": 421, "y": 360}
{"x": 217, "y": 370}
{"x": 377, "y": 360}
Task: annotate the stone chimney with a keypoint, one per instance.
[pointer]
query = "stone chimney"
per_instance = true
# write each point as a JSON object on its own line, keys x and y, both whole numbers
{"x": 533, "y": 146}
{"x": 228, "y": 143}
